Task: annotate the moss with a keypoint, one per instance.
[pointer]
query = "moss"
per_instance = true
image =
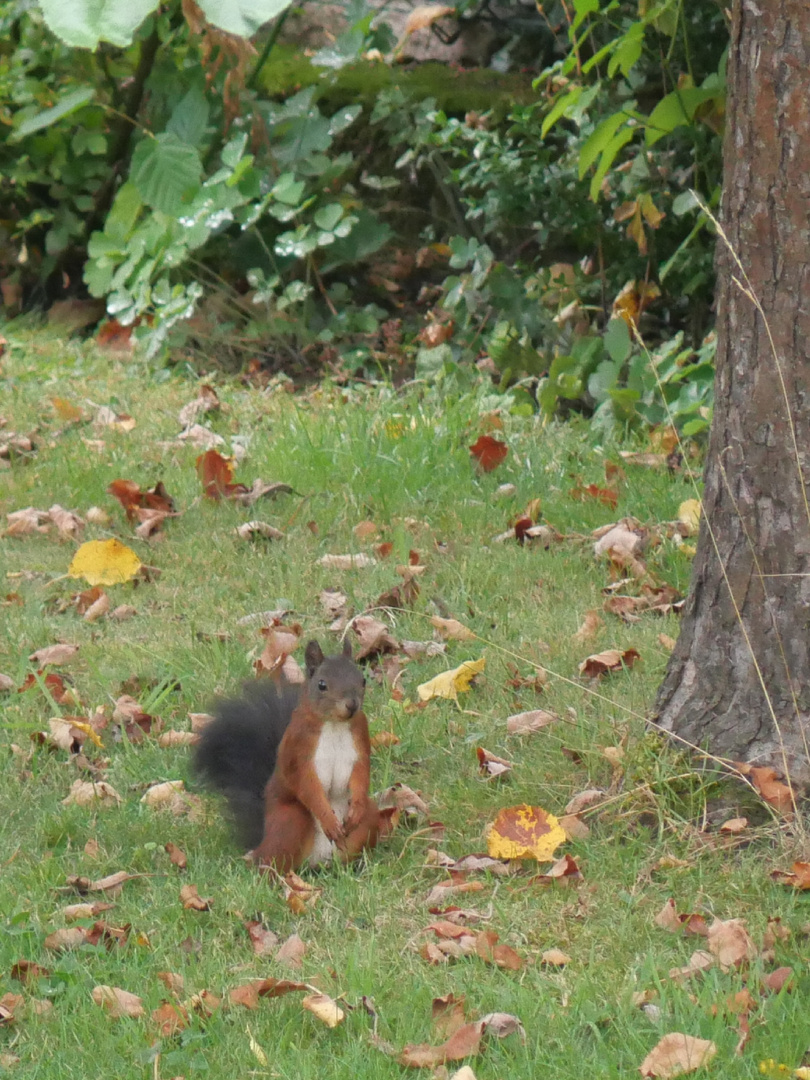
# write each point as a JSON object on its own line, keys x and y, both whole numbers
{"x": 456, "y": 90}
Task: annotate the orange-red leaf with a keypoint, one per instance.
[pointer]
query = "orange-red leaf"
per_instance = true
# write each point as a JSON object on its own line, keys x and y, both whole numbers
{"x": 489, "y": 452}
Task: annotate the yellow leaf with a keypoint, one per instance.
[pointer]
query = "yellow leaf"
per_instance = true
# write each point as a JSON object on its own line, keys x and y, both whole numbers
{"x": 652, "y": 215}
{"x": 104, "y": 562}
{"x": 449, "y": 684}
{"x": 425, "y": 15}
{"x": 689, "y": 515}
{"x": 525, "y": 832}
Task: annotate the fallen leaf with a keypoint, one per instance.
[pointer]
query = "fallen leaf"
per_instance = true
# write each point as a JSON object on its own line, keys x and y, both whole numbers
{"x": 452, "y": 629}
{"x": 249, "y": 993}
{"x": 216, "y": 476}
{"x": 169, "y": 1019}
{"x": 699, "y": 962}
{"x": 449, "y": 684}
{"x": 689, "y": 516}
{"x": 564, "y": 869}
{"x": 730, "y": 944}
{"x": 325, "y": 1008}
{"x": 667, "y": 642}
{"x": 737, "y": 825}
{"x": 555, "y": 958}
{"x": 489, "y": 452}
{"x": 590, "y": 627}
{"x": 68, "y": 524}
{"x": 118, "y": 1002}
{"x": 176, "y": 855}
{"x": 491, "y": 765}
{"x": 798, "y": 876}
{"x": 502, "y": 956}
{"x": 779, "y": 979}
{"x": 85, "y": 911}
{"x": 348, "y": 562}
{"x": 54, "y": 654}
{"x": 206, "y": 401}
{"x": 292, "y": 952}
{"x": 677, "y": 1053}
{"x": 776, "y": 793}
{"x": 26, "y": 971}
{"x": 621, "y": 537}
{"x": 419, "y": 18}
{"x": 177, "y": 738}
{"x": 192, "y": 901}
{"x": 264, "y": 941}
{"x": 606, "y": 496}
{"x": 374, "y": 637}
{"x": 584, "y": 799}
{"x": 526, "y": 723}
{"x": 252, "y": 530}
{"x": 163, "y": 793}
{"x": 611, "y": 660}
{"x": 92, "y": 793}
{"x": 524, "y": 832}
{"x": 104, "y": 562}
{"x": 465, "y": 1042}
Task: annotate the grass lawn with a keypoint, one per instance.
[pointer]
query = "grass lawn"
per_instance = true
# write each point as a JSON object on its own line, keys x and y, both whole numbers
{"x": 400, "y": 460}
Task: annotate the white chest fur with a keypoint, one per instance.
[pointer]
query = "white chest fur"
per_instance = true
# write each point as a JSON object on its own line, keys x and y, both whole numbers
{"x": 335, "y": 756}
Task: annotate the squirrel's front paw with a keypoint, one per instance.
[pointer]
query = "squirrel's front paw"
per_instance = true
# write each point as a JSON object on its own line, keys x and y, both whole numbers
{"x": 334, "y": 831}
{"x": 354, "y": 816}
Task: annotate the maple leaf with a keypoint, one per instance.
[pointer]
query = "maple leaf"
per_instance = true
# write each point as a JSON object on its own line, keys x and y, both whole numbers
{"x": 216, "y": 476}
{"x": 524, "y": 832}
{"x": 677, "y": 1053}
{"x": 489, "y": 452}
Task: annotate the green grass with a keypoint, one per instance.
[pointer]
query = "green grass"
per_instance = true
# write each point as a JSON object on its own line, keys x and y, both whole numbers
{"x": 401, "y": 460}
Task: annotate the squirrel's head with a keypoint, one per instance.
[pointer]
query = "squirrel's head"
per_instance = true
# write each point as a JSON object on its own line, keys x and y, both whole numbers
{"x": 335, "y": 684}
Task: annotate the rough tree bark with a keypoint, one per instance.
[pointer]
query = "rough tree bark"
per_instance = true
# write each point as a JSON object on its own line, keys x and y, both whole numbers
{"x": 746, "y": 627}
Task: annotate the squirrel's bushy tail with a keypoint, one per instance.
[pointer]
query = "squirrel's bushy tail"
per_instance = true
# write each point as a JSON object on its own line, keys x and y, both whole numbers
{"x": 237, "y": 751}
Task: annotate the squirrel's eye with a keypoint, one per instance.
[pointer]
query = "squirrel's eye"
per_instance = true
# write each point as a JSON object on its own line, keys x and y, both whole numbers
{"x": 321, "y": 685}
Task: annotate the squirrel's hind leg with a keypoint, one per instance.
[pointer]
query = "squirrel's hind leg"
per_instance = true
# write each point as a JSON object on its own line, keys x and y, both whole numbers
{"x": 288, "y": 837}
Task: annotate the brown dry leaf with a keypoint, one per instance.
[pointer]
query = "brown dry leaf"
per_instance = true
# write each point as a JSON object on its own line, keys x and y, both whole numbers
{"x": 374, "y": 637}
{"x": 384, "y": 739}
{"x": 491, "y": 765}
{"x": 176, "y": 855}
{"x": 575, "y": 828}
{"x": 611, "y": 660}
{"x": 206, "y": 401}
{"x": 452, "y": 629}
{"x": 325, "y": 1008}
{"x": 668, "y": 919}
{"x": 734, "y": 825}
{"x": 526, "y": 723}
{"x": 264, "y": 941}
{"x": 192, "y": 901}
{"x": 292, "y": 952}
{"x": 348, "y": 562}
{"x": 730, "y": 944}
{"x": 90, "y": 793}
{"x": 216, "y": 476}
{"x": 776, "y": 793}
{"x": 163, "y": 794}
{"x": 502, "y": 956}
{"x": 26, "y": 971}
{"x": 465, "y": 1042}
{"x": 201, "y": 437}
{"x": 98, "y": 609}
{"x": 447, "y": 1013}
{"x": 199, "y": 720}
{"x": 68, "y": 524}
{"x": 172, "y": 981}
{"x": 488, "y": 451}
{"x": 248, "y": 994}
{"x": 677, "y": 1053}
{"x": 779, "y": 979}
{"x": 177, "y": 738}
{"x": 253, "y": 530}
{"x": 27, "y": 521}
{"x": 118, "y": 1002}
{"x": 365, "y": 530}
{"x": 667, "y": 642}
{"x": 169, "y": 1018}
{"x": 111, "y": 884}
{"x": 585, "y": 799}
{"x": 565, "y": 869}
{"x": 555, "y": 958}
{"x": 54, "y": 654}
{"x": 699, "y": 962}
{"x": 524, "y": 832}
{"x": 606, "y": 496}
{"x": 798, "y": 876}
{"x": 590, "y": 627}
{"x": 405, "y": 799}
{"x": 299, "y": 894}
{"x": 105, "y": 417}
{"x": 123, "y": 612}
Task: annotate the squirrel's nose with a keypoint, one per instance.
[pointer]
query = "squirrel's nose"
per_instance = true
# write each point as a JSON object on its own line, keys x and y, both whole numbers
{"x": 352, "y": 705}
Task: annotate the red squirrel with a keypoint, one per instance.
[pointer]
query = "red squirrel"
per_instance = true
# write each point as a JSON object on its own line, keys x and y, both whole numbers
{"x": 294, "y": 764}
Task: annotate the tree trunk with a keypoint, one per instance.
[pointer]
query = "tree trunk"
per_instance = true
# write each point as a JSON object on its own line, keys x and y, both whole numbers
{"x": 738, "y": 681}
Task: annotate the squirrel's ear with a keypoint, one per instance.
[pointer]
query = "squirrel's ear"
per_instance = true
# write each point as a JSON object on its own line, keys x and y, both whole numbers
{"x": 347, "y": 648}
{"x": 313, "y": 655}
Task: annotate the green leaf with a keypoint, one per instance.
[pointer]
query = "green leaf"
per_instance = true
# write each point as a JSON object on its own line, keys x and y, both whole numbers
{"x": 233, "y": 150}
{"x": 343, "y": 118}
{"x": 560, "y": 107}
{"x": 628, "y": 51}
{"x": 328, "y": 216}
{"x": 242, "y": 17}
{"x": 165, "y": 171}
{"x": 617, "y": 340}
{"x": 598, "y": 140}
{"x": 123, "y": 213}
{"x": 67, "y": 105}
{"x": 675, "y": 110}
{"x": 84, "y": 23}
{"x": 608, "y": 157}
{"x": 190, "y": 117}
